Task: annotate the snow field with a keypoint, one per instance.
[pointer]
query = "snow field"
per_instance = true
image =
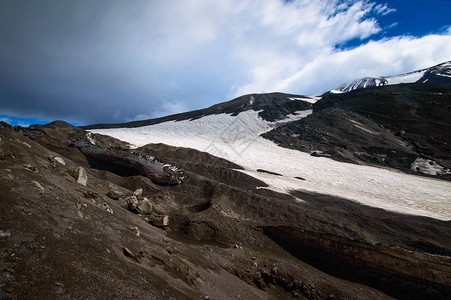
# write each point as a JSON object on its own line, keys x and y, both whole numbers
{"x": 237, "y": 138}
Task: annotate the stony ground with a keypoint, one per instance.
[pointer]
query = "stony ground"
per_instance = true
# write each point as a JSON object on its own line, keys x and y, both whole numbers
{"x": 391, "y": 127}
{"x": 116, "y": 234}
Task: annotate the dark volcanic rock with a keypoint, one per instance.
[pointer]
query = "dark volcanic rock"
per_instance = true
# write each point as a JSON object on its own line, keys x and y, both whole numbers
{"x": 65, "y": 243}
{"x": 388, "y": 126}
{"x": 268, "y": 172}
{"x": 129, "y": 162}
{"x": 273, "y": 106}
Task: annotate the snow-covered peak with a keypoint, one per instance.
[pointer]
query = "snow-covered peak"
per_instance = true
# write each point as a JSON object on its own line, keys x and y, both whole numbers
{"x": 437, "y": 74}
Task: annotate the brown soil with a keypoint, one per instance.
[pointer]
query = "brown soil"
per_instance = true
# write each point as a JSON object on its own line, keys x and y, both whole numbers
{"x": 226, "y": 239}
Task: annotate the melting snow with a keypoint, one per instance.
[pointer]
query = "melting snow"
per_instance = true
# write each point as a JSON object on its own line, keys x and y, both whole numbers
{"x": 336, "y": 92}
{"x": 366, "y": 130}
{"x": 296, "y": 116}
{"x": 310, "y": 99}
{"x": 406, "y": 78}
{"x": 237, "y": 138}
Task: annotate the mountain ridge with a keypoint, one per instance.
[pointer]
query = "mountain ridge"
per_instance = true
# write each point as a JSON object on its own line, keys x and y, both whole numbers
{"x": 274, "y": 106}
{"x": 440, "y": 73}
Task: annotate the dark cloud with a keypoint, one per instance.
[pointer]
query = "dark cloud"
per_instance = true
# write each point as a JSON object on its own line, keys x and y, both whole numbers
{"x": 117, "y": 60}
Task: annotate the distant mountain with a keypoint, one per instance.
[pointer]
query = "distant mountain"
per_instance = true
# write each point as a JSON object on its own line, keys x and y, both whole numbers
{"x": 437, "y": 74}
{"x": 271, "y": 107}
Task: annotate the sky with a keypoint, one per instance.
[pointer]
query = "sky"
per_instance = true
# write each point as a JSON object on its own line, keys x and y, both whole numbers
{"x": 110, "y": 61}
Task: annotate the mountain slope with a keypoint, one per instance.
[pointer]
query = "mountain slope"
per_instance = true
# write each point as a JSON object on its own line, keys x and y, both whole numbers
{"x": 440, "y": 73}
{"x": 405, "y": 127}
{"x": 220, "y": 203}
{"x": 236, "y": 137}
{"x": 271, "y": 107}
{"x": 228, "y": 235}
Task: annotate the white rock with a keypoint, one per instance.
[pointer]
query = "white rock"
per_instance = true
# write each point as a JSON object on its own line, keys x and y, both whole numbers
{"x": 26, "y": 144}
{"x": 38, "y": 187}
{"x": 90, "y": 138}
{"x": 138, "y": 193}
{"x": 60, "y": 160}
{"x": 81, "y": 176}
{"x": 107, "y": 208}
{"x": 4, "y": 234}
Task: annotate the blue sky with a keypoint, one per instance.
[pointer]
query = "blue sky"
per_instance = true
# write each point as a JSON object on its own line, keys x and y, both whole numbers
{"x": 109, "y": 61}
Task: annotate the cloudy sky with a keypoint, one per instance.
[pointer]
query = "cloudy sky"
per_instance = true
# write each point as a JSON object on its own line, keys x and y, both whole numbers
{"x": 92, "y": 61}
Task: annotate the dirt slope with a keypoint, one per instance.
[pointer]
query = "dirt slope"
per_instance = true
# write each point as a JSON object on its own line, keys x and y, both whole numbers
{"x": 225, "y": 238}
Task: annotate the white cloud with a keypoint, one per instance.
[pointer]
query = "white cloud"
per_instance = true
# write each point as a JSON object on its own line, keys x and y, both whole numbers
{"x": 6, "y": 119}
{"x": 262, "y": 43}
{"x": 384, "y": 10}
{"x": 381, "y": 58}
{"x": 446, "y": 30}
{"x": 272, "y": 45}
{"x": 161, "y": 57}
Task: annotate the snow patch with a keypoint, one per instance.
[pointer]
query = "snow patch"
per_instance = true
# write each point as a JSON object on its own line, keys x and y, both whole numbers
{"x": 366, "y": 130}
{"x": 310, "y": 99}
{"x": 405, "y": 78}
{"x": 355, "y": 122}
{"x": 237, "y": 138}
{"x": 336, "y": 92}
{"x": 430, "y": 167}
{"x": 90, "y": 138}
{"x": 296, "y": 116}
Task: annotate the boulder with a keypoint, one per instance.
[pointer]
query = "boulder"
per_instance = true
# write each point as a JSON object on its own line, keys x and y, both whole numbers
{"x": 115, "y": 195}
{"x": 130, "y": 202}
{"x": 159, "y": 220}
{"x": 318, "y": 153}
{"x": 38, "y": 187}
{"x": 145, "y": 207}
{"x": 59, "y": 160}
{"x": 107, "y": 208}
{"x": 138, "y": 193}
{"x": 81, "y": 176}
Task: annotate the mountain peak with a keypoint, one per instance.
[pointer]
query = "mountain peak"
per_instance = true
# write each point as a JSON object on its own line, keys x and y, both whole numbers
{"x": 440, "y": 73}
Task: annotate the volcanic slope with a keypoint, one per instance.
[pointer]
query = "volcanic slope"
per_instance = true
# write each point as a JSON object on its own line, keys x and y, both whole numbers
{"x": 302, "y": 181}
{"x": 271, "y": 107}
{"x": 401, "y": 126}
{"x": 237, "y": 137}
{"x": 214, "y": 232}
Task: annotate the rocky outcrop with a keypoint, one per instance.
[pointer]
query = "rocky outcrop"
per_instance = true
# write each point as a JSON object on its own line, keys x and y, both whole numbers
{"x": 390, "y": 126}
{"x": 142, "y": 206}
{"x": 399, "y": 272}
{"x": 128, "y": 163}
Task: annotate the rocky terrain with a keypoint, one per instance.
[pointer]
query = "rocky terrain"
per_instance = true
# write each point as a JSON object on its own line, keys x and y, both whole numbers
{"x": 267, "y": 196}
{"x": 401, "y": 126}
{"x": 271, "y": 107}
{"x": 84, "y": 216}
